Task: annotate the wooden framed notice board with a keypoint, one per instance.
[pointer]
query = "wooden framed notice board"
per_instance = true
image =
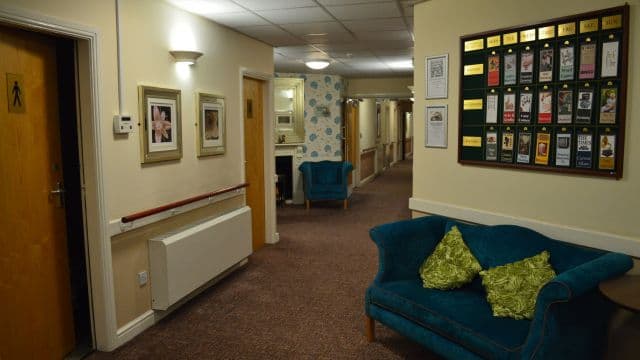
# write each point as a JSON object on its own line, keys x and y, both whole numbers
{"x": 549, "y": 96}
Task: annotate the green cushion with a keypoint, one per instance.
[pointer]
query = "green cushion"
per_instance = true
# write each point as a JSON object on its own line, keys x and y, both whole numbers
{"x": 512, "y": 289}
{"x": 451, "y": 264}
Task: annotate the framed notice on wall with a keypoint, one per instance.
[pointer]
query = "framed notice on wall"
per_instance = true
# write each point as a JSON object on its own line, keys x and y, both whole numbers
{"x": 549, "y": 96}
{"x": 436, "y": 74}
{"x": 435, "y": 126}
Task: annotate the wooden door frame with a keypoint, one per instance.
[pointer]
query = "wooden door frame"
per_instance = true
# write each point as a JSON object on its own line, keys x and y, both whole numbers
{"x": 271, "y": 234}
{"x": 97, "y": 240}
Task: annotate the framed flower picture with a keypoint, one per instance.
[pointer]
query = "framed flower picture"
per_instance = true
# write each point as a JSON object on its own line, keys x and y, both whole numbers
{"x": 211, "y": 124}
{"x": 161, "y": 130}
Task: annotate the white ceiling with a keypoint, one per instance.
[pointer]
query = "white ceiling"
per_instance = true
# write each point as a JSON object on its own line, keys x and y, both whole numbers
{"x": 361, "y": 38}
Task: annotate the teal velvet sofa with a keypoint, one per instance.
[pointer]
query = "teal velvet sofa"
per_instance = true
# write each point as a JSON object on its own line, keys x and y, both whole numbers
{"x": 571, "y": 316}
{"x": 325, "y": 180}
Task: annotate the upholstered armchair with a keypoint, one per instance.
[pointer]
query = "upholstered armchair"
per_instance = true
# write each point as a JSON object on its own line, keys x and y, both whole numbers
{"x": 325, "y": 180}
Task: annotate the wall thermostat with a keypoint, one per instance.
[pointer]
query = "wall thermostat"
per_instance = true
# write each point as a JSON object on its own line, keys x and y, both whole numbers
{"x": 122, "y": 124}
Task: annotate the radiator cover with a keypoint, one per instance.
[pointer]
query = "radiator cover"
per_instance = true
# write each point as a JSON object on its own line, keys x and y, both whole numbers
{"x": 184, "y": 261}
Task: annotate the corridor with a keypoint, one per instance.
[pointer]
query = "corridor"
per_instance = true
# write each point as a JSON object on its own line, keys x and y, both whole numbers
{"x": 299, "y": 299}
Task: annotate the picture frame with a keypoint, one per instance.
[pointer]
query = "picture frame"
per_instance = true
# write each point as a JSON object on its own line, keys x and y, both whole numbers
{"x": 160, "y": 124}
{"x": 436, "y": 76}
{"x": 211, "y": 125}
{"x": 436, "y": 124}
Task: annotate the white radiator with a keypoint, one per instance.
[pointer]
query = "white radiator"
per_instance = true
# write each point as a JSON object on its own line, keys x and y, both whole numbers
{"x": 184, "y": 261}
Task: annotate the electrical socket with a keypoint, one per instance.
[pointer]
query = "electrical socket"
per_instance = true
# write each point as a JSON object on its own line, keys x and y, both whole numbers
{"x": 143, "y": 278}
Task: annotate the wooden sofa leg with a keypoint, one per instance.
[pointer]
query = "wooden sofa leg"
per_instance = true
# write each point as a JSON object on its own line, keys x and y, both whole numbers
{"x": 345, "y": 204}
{"x": 308, "y": 204}
{"x": 370, "y": 328}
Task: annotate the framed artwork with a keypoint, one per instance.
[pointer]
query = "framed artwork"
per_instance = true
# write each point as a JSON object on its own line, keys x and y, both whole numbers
{"x": 211, "y": 126}
{"x": 436, "y": 73}
{"x": 161, "y": 129}
{"x": 436, "y": 125}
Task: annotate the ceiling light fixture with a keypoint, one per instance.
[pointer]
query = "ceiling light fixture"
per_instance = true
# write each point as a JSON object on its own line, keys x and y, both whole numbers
{"x": 185, "y": 57}
{"x": 317, "y": 64}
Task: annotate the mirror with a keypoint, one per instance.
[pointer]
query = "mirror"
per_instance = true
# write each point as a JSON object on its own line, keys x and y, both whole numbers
{"x": 289, "y": 110}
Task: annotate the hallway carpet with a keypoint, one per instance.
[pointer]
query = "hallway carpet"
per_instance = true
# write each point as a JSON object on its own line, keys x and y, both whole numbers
{"x": 299, "y": 299}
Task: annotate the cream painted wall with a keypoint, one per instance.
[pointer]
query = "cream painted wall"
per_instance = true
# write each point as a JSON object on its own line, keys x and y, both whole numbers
{"x": 367, "y": 123}
{"x": 595, "y": 204}
{"x": 379, "y": 87}
{"x": 148, "y": 29}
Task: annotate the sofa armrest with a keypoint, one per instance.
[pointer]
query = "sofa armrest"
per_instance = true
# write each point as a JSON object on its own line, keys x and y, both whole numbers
{"x": 586, "y": 277}
{"x": 570, "y": 313}
{"x": 403, "y": 245}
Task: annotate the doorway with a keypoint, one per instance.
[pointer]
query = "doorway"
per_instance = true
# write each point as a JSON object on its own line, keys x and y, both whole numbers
{"x": 253, "y": 104}
{"x": 43, "y": 281}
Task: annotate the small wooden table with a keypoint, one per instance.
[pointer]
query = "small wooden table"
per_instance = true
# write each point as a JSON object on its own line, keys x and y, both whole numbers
{"x": 624, "y": 291}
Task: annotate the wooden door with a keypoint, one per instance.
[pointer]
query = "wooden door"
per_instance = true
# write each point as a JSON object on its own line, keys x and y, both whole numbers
{"x": 352, "y": 136}
{"x": 36, "y": 312}
{"x": 254, "y": 156}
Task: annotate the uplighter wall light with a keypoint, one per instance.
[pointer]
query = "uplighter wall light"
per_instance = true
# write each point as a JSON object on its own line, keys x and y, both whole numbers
{"x": 186, "y": 57}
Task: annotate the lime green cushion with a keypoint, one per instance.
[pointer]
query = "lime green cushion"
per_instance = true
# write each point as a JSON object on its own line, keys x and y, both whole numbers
{"x": 451, "y": 264}
{"x": 512, "y": 289}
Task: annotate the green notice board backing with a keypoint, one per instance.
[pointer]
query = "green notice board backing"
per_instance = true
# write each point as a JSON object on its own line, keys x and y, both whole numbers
{"x": 549, "y": 96}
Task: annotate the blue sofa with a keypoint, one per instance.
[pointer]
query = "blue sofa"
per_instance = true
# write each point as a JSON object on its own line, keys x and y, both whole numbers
{"x": 325, "y": 180}
{"x": 571, "y": 315}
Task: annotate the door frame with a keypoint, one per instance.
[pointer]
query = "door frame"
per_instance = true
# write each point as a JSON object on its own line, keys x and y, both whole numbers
{"x": 271, "y": 233}
{"x": 97, "y": 241}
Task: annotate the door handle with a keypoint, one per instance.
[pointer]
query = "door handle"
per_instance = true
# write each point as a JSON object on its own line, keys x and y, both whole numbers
{"x": 58, "y": 193}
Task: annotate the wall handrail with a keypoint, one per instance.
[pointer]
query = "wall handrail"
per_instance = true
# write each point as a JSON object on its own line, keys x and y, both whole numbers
{"x": 159, "y": 209}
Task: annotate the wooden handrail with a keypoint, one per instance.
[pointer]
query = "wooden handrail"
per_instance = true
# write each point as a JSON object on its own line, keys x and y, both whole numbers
{"x": 159, "y": 209}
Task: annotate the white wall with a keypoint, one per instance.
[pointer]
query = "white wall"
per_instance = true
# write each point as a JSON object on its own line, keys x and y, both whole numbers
{"x": 601, "y": 206}
{"x": 149, "y": 30}
{"x": 367, "y": 123}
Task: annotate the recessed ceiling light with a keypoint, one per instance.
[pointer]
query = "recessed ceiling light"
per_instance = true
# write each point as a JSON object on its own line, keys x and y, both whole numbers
{"x": 317, "y": 64}
{"x": 403, "y": 64}
{"x": 317, "y": 34}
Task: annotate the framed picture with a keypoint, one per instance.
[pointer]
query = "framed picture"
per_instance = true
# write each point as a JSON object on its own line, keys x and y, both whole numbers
{"x": 211, "y": 124}
{"x": 161, "y": 130}
{"x": 436, "y": 73}
{"x": 436, "y": 126}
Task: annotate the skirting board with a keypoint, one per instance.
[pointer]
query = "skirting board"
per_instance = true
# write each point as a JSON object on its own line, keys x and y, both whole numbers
{"x": 151, "y": 317}
{"x": 589, "y": 238}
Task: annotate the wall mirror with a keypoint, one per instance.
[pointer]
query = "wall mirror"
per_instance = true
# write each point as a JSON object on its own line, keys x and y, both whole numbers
{"x": 289, "y": 110}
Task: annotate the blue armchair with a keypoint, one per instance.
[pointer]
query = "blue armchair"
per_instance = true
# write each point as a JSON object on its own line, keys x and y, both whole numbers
{"x": 325, "y": 180}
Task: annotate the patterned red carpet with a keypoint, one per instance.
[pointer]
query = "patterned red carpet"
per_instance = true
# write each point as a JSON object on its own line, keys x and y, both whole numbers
{"x": 299, "y": 299}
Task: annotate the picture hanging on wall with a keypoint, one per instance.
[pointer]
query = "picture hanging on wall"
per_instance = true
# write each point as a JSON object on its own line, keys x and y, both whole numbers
{"x": 436, "y": 126}
{"x": 160, "y": 132}
{"x": 211, "y": 125}
{"x": 437, "y": 72}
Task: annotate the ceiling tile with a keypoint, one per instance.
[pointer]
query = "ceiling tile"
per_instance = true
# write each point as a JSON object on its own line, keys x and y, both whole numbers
{"x": 383, "y": 35}
{"x": 295, "y": 15}
{"x": 348, "y": 2}
{"x": 274, "y": 4}
{"x": 271, "y": 35}
{"x": 342, "y": 47}
{"x": 389, "y": 24}
{"x": 365, "y": 11}
{"x": 330, "y": 38}
{"x": 294, "y": 50}
{"x": 204, "y": 7}
{"x": 314, "y": 28}
{"x": 237, "y": 19}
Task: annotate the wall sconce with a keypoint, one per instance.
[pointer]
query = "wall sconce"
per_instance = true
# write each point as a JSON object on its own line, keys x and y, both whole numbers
{"x": 186, "y": 57}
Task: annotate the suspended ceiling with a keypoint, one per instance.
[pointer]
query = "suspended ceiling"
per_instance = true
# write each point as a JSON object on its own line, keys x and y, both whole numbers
{"x": 360, "y": 38}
